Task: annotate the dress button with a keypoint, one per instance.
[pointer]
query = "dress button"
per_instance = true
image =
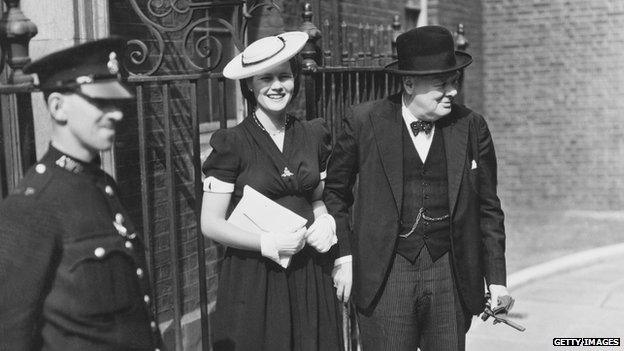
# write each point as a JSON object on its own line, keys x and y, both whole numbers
{"x": 146, "y": 298}
{"x": 129, "y": 245}
{"x": 40, "y": 168}
{"x": 139, "y": 272}
{"x": 109, "y": 190}
{"x": 99, "y": 252}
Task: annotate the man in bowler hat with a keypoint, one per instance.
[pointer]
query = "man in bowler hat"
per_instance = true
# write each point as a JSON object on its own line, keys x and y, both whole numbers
{"x": 72, "y": 270}
{"x": 427, "y": 232}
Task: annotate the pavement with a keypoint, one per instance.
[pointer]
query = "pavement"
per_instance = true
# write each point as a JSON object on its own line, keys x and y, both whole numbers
{"x": 581, "y": 299}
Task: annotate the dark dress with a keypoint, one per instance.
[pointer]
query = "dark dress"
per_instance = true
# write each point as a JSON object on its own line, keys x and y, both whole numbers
{"x": 260, "y": 305}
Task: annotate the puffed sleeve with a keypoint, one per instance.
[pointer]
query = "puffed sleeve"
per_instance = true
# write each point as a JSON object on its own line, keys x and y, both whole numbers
{"x": 222, "y": 166}
{"x": 323, "y": 137}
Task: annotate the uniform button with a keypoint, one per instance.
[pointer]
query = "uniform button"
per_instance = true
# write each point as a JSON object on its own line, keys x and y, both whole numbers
{"x": 156, "y": 349}
{"x": 129, "y": 245}
{"x": 119, "y": 218}
{"x": 132, "y": 236}
{"x": 426, "y": 224}
{"x": 109, "y": 190}
{"x": 426, "y": 196}
{"x": 29, "y": 191}
{"x": 153, "y": 325}
{"x": 139, "y": 272}
{"x": 99, "y": 252}
{"x": 120, "y": 229}
{"x": 146, "y": 298}
{"x": 40, "y": 168}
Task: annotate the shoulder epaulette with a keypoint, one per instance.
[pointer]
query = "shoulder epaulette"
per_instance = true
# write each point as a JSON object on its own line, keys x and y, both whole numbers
{"x": 34, "y": 182}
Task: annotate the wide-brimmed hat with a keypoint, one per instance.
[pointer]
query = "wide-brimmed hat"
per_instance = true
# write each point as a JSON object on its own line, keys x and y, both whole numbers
{"x": 91, "y": 68}
{"x": 264, "y": 54}
{"x": 427, "y": 50}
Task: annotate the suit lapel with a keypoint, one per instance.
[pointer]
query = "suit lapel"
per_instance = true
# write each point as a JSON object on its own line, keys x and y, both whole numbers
{"x": 455, "y": 133}
{"x": 387, "y": 128}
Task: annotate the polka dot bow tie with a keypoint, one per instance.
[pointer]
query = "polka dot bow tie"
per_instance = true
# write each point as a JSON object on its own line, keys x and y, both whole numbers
{"x": 421, "y": 126}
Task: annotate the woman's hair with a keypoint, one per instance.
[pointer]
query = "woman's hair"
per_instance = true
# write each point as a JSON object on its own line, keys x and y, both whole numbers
{"x": 295, "y": 67}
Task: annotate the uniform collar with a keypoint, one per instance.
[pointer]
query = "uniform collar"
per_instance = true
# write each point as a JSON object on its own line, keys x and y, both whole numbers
{"x": 55, "y": 157}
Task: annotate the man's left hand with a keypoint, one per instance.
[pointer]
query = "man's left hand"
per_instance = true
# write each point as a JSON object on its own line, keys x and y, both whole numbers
{"x": 500, "y": 300}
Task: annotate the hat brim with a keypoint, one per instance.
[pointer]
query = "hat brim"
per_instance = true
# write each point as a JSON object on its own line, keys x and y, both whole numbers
{"x": 107, "y": 90}
{"x": 293, "y": 43}
{"x": 462, "y": 60}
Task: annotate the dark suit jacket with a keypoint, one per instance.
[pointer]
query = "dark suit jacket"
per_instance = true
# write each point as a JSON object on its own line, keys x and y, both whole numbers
{"x": 370, "y": 147}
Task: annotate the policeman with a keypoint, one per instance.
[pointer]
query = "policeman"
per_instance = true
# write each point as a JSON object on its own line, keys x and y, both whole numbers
{"x": 72, "y": 269}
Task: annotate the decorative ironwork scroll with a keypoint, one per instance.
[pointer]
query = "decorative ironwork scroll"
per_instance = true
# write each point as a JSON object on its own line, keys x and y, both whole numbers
{"x": 187, "y": 28}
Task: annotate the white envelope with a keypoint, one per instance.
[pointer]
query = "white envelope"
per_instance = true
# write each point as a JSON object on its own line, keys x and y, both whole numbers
{"x": 257, "y": 213}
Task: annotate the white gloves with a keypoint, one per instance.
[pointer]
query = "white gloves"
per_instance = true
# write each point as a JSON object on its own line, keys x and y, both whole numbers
{"x": 279, "y": 245}
{"x": 322, "y": 233}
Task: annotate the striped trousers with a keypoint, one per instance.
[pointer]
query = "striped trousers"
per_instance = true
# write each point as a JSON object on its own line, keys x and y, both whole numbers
{"x": 418, "y": 307}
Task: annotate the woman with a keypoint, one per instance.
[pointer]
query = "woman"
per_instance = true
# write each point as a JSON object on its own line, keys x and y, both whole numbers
{"x": 260, "y": 304}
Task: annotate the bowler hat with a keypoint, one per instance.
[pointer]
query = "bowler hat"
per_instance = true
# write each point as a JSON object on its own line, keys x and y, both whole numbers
{"x": 427, "y": 50}
{"x": 264, "y": 54}
{"x": 91, "y": 69}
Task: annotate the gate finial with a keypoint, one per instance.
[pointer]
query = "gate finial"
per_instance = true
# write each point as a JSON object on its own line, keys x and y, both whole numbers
{"x": 16, "y": 30}
{"x": 460, "y": 40}
{"x": 396, "y": 31}
{"x": 311, "y": 51}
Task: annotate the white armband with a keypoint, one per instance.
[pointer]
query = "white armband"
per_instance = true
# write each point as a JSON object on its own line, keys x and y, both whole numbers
{"x": 214, "y": 185}
{"x": 343, "y": 259}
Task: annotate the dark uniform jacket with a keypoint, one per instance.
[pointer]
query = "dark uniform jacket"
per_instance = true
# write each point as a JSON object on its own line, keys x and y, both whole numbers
{"x": 72, "y": 268}
{"x": 370, "y": 147}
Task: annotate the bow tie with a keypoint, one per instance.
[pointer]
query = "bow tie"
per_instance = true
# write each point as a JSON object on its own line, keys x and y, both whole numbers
{"x": 421, "y": 126}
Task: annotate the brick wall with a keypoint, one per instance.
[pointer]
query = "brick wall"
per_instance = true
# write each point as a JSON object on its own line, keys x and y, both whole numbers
{"x": 553, "y": 73}
{"x": 449, "y": 13}
{"x": 352, "y": 12}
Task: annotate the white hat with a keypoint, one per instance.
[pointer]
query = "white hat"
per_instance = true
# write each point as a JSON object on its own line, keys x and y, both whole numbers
{"x": 264, "y": 54}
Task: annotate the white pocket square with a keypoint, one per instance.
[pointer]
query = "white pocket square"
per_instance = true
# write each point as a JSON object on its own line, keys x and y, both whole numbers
{"x": 474, "y": 165}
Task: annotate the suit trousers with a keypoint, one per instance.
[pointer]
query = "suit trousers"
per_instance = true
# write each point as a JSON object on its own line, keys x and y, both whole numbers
{"x": 418, "y": 307}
